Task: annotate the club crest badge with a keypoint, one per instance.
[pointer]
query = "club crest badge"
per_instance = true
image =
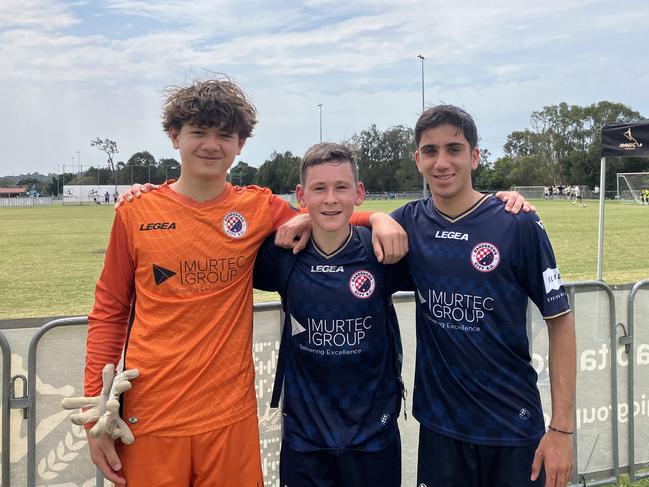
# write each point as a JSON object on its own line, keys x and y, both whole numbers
{"x": 362, "y": 284}
{"x": 485, "y": 257}
{"x": 235, "y": 225}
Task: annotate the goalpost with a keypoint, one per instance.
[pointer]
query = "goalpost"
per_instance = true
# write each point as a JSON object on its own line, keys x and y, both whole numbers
{"x": 530, "y": 192}
{"x": 630, "y": 185}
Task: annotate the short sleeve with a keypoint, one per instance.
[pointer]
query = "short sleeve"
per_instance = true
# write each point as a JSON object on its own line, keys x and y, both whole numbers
{"x": 538, "y": 271}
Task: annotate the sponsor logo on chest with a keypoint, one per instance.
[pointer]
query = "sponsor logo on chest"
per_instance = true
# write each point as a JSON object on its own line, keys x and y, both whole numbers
{"x": 452, "y": 235}
{"x": 144, "y": 227}
{"x": 327, "y": 268}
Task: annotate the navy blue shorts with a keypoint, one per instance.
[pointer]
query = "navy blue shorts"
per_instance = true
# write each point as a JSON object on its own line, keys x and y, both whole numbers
{"x": 447, "y": 462}
{"x": 344, "y": 469}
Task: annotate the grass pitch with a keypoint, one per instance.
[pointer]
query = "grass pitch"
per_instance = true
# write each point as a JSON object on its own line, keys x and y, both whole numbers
{"x": 52, "y": 256}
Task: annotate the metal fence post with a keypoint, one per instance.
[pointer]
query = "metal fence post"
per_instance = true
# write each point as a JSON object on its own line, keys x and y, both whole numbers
{"x": 6, "y": 409}
{"x": 31, "y": 388}
{"x": 631, "y": 378}
{"x": 572, "y": 289}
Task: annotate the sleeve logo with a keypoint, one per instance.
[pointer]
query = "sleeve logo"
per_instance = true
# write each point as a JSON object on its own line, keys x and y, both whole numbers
{"x": 552, "y": 280}
{"x": 485, "y": 257}
{"x": 235, "y": 225}
{"x": 361, "y": 284}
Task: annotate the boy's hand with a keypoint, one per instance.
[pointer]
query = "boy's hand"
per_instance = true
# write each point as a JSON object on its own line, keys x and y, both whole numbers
{"x": 514, "y": 202}
{"x": 135, "y": 192}
{"x": 104, "y": 456}
{"x": 389, "y": 239}
{"x": 295, "y": 233}
{"x": 554, "y": 453}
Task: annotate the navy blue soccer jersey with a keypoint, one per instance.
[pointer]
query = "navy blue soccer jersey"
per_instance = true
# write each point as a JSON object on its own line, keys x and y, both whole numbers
{"x": 342, "y": 349}
{"x": 473, "y": 275}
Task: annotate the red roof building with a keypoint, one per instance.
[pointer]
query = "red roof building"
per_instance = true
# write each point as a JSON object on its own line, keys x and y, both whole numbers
{"x": 12, "y": 192}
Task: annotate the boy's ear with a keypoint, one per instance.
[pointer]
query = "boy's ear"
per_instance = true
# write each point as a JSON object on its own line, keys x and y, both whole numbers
{"x": 242, "y": 142}
{"x": 173, "y": 135}
{"x": 299, "y": 195}
{"x": 360, "y": 194}
{"x": 417, "y": 160}
{"x": 475, "y": 158}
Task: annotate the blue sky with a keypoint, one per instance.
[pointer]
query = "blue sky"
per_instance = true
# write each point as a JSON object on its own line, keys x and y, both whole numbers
{"x": 74, "y": 70}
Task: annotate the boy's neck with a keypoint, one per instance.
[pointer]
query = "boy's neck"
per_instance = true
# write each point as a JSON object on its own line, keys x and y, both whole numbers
{"x": 457, "y": 205}
{"x": 199, "y": 190}
{"x": 329, "y": 242}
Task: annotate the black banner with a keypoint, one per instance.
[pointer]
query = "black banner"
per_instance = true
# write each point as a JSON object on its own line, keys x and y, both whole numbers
{"x": 626, "y": 139}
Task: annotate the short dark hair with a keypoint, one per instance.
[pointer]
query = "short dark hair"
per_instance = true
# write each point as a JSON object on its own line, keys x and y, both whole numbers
{"x": 217, "y": 103}
{"x": 327, "y": 152}
{"x": 451, "y": 115}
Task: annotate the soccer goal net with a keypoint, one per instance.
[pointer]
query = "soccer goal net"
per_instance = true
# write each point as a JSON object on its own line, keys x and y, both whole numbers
{"x": 630, "y": 186}
{"x": 530, "y": 192}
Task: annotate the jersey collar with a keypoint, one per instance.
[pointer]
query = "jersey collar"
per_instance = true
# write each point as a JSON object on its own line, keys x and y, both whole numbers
{"x": 464, "y": 214}
{"x": 335, "y": 252}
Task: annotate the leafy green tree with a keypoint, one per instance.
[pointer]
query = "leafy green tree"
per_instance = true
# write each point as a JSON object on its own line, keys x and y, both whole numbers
{"x": 280, "y": 173}
{"x": 55, "y": 184}
{"x": 386, "y": 159}
{"x": 565, "y": 142}
{"x": 242, "y": 174}
{"x": 108, "y": 147}
{"x": 168, "y": 162}
{"x": 501, "y": 173}
{"x": 32, "y": 184}
{"x": 168, "y": 168}
{"x": 142, "y": 158}
{"x": 142, "y": 166}
{"x": 481, "y": 177}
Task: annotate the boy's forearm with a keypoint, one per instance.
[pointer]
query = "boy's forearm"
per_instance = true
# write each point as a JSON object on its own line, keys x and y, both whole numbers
{"x": 361, "y": 218}
{"x": 562, "y": 358}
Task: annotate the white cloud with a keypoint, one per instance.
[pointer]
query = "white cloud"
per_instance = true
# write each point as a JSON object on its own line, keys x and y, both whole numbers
{"x": 70, "y": 72}
{"x": 45, "y": 14}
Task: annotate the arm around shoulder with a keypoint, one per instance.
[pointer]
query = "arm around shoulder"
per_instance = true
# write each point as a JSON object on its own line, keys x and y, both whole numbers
{"x": 389, "y": 239}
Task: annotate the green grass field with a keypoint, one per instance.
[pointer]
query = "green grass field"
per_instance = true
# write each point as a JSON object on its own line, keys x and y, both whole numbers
{"x": 52, "y": 256}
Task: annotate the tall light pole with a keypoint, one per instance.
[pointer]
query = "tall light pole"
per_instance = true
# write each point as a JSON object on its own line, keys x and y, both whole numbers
{"x": 320, "y": 107}
{"x": 423, "y": 107}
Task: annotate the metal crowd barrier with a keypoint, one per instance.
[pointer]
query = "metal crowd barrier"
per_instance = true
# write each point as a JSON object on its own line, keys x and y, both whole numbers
{"x": 578, "y": 478}
{"x": 629, "y": 343}
{"x": 28, "y": 404}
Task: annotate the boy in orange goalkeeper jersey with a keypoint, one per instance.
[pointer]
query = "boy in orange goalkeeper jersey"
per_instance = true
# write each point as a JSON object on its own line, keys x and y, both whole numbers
{"x": 176, "y": 294}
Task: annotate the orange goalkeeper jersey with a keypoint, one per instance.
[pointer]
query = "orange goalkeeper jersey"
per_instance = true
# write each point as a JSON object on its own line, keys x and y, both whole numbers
{"x": 176, "y": 292}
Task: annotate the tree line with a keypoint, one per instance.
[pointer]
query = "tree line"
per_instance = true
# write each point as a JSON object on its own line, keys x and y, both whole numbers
{"x": 561, "y": 147}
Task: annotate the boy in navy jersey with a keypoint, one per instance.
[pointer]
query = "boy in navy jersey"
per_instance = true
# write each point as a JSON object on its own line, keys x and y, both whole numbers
{"x": 340, "y": 357}
{"x": 474, "y": 267}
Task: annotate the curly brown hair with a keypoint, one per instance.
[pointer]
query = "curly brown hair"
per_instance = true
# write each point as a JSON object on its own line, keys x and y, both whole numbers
{"x": 212, "y": 103}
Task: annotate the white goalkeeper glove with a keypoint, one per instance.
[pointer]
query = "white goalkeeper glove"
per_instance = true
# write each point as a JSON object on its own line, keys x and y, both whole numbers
{"x": 104, "y": 409}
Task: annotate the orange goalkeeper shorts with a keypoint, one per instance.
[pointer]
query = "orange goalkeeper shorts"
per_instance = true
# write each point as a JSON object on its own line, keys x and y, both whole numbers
{"x": 226, "y": 457}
